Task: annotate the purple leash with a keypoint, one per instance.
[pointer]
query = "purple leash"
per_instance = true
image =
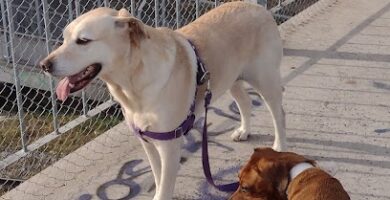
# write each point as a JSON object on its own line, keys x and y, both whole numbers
{"x": 201, "y": 77}
{"x": 205, "y": 152}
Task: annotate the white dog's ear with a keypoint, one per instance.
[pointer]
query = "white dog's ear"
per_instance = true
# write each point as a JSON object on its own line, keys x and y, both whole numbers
{"x": 134, "y": 27}
{"x": 123, "y": 13}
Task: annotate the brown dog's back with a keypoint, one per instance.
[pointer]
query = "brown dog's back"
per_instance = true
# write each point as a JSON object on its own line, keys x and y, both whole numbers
{"x": 315, "y": 184}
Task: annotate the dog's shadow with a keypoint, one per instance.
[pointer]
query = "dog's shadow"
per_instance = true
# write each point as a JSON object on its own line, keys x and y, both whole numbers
{"x": 207, "y": 191}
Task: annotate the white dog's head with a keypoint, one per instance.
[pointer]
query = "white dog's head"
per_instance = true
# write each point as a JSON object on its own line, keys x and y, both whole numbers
{"x": 93, "y": 45}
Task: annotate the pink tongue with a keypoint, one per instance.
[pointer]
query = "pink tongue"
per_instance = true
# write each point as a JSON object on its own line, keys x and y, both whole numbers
{"x": 63, "y": 89}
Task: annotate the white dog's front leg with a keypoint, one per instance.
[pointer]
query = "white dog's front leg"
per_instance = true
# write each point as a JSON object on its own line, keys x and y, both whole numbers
{"x": 154, "y": 160}
{"x": 170, "y": 152}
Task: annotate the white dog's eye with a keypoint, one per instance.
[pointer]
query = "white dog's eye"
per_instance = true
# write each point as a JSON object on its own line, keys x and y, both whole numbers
{"x": 82, "y": 41}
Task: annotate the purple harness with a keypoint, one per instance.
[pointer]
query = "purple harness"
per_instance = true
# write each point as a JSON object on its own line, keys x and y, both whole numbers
{"x": 202, "y": 77}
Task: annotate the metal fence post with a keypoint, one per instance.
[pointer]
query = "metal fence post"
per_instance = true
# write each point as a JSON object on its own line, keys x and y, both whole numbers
{"x": 48, "y": 49}
{"x": 19, "y": 99}
{"x": 70, "y": 10}
{"x": 83, "y": 94}
{"x": 7, "y": 49}
{"x": 40, "y": 31}
{"x": 197, "y": 8}
{"x": 163, "y": 12}
{"x": 156, "y": 17}
{"x": 132, "y": 7}
{"x": 216, "y": 3}
{"x": 106, "y": 3}
{"x": 177, "y": 10}
{"x": 85, "y": 105}
{"x": 77, "y": 7}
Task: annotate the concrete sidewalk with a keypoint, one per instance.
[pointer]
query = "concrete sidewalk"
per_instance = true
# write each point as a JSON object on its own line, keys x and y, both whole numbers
{"x": 337, "y": 75}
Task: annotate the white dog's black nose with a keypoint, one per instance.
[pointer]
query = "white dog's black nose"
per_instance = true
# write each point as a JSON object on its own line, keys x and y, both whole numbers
{"x": 46, "y": 65}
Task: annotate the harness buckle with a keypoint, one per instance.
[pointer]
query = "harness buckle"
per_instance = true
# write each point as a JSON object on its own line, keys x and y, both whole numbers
{"x": 205, "y": 77}
{"x": 177, "y": 133}
{"x": 138, "y": 132}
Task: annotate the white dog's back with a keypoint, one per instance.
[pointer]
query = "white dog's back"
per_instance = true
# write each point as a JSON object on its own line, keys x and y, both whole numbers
{"x": 246, "y": 32}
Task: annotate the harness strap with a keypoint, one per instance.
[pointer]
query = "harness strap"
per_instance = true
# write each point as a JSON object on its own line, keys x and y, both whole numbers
{"x": 202, "y": 75}
{"x": 183, "y": 129}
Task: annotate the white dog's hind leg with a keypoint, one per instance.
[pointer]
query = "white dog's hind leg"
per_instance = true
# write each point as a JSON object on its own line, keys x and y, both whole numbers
{"x": 244, "y": 104}
{"x": 170, "y": 152}
{"x": 154, "y": 160}
{"x": 272, "y": 93}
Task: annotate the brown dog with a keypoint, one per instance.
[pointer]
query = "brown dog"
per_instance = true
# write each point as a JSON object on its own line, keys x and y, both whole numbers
{"x": 271, "y": 175}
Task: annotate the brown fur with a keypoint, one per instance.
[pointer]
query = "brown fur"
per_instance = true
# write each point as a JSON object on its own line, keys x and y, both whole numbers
{"x": 135, "y": 29}
{"x": 266, "y": 177}
{"x": 136, "y": 32}
{"x": 315, "y": 184}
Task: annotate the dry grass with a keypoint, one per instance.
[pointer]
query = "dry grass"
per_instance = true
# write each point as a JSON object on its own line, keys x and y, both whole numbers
{"x": 38, "y": 126}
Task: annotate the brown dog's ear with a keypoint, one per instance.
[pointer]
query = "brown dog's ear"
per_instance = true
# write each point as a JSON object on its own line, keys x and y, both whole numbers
{"x": 291, "y": 159}
{"x": 287, "y": 160}
{"x": 273, "y": 168}
{"x": 276, "y": 172}
{"x": 276, "y": 166}
{"x": 134, "y": 26}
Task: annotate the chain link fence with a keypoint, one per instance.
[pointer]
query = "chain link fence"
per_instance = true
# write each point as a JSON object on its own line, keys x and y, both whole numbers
{"x": 35, "y": 129}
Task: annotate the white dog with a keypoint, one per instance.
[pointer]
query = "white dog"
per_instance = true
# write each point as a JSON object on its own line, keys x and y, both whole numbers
{"x": 151, "y": 72}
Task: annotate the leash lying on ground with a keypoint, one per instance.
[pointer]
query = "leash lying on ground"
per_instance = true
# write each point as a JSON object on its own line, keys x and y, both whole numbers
{"x": 202, "y": 77}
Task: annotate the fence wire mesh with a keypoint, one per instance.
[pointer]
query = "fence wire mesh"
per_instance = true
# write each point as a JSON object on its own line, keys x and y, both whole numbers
{"x": 36, "y": 130}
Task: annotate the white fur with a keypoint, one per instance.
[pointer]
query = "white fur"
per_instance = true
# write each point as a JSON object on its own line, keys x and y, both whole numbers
{"x": 154, "y": 79}
{"x": 299, "y": 168}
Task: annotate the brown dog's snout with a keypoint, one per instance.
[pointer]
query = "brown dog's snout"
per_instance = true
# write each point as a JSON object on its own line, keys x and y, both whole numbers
{"x": 46, "y": 65}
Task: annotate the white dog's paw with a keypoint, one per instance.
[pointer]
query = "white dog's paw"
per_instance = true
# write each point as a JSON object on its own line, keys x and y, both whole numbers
{"x": 279, "y": 147}
{"x": 240, "y": 134}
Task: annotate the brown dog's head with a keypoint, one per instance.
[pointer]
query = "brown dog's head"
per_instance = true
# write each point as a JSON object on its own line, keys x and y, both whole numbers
{"x": 266, "y": 175}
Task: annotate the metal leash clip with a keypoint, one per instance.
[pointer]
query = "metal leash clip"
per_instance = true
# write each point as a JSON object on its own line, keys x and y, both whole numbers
{"x": 205, "y": 77}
